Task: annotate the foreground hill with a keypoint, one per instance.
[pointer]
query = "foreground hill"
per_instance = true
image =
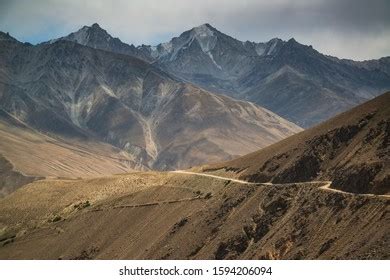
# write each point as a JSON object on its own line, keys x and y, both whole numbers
{"x": 352, "y": 150}
{"x": 188, "y": 216}
{"x": 77, "y": 92}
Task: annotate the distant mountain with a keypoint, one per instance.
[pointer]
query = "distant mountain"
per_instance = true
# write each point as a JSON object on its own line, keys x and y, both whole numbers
{"x": 204, "y": 50}
{"x": 75, "y": 92}
{"x": 286, "y": 77}
{"x": 351, "y": 150}
{"x": 95, "y": 37}
{"x": 289, "y": 78}
{"x": 7, "y": 37}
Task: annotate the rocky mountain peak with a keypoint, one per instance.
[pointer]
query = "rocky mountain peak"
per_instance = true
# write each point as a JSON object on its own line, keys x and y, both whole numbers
{"x": 292, "y": 40}
{"x": 95, "y": 25}
{"x": 203, "y": 30}
{"x": 96, "y": 37}
{"x": 4, "y": 36}
{"x": 93, "y": 34}
{"x": 204, "y": 35}
{"x": 257, "y": 71}
{"x": 294, "y": 48}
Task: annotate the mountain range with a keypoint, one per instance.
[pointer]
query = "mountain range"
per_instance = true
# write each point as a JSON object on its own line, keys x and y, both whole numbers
{"x": 288, "y": 78}
{"x": 180, "y": 103}
{"x": 82, "y": 94}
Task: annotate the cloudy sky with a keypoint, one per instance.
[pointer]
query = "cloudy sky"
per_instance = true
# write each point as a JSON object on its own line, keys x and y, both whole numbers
{"x": 357, "y": 29}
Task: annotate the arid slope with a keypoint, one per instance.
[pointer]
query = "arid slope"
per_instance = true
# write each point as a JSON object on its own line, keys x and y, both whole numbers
{"x": 72, "y": 91}
{"x": 36, "y": 154}
{"x": 352, "y": 150}
{"x": 184, "y": 216}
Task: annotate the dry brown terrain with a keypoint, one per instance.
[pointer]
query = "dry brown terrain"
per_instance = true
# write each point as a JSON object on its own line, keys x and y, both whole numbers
{"x": 352, "y": 150}
{"x": 27, "y": 155}
{"x": 33, "y": 153}
{"x": 321, "y": 194}
{"x": 185, "y": 216}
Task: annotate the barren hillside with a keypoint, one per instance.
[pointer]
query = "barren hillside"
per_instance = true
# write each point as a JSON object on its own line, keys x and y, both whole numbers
{"x": 27, "y": 152}
{"x": 186, "y": 216}
{"x": 71, "y": 91}
{"x": 352, "y": 150}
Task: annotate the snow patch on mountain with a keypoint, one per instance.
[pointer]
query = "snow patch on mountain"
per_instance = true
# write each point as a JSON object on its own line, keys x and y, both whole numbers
{"x": 203, "y": 31}
{"x": 212, "y": 59}
{"x": 260, "y": 49}
{"x": 75, "y": 113}
{"x": 205, "y": 37}
{"x": 166, "y": 48}
{"x": 81, "y": 36}
{"x": 108, "y": 91}
{"x": 271, "y": 49}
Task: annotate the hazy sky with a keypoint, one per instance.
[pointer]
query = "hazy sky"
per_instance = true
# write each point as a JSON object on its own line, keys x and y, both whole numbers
{"x": 357, "y": 29}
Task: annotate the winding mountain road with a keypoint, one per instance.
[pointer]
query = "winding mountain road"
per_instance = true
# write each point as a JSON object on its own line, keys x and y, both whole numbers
{"x": 218, "y": 177}
{"x": 325, "y": 187}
